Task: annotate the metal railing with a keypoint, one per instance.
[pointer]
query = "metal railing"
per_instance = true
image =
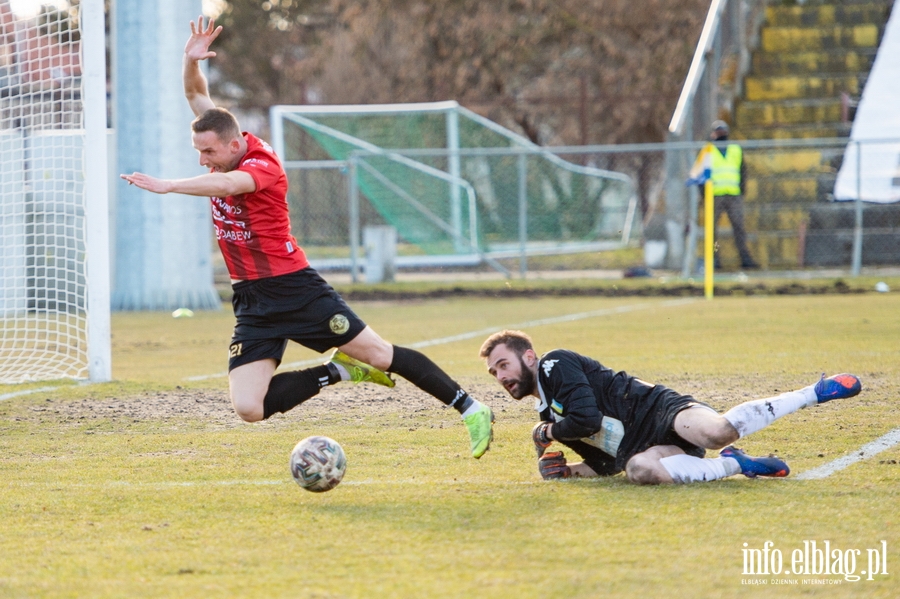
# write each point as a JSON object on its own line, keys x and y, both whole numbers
{"x": 792, "y": 219}
{"x": 714, "y": 81}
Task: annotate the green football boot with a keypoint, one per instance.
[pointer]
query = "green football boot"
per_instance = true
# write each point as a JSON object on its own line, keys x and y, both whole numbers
{"x": 360, "y": 372}
{"x": 481, "y": 431}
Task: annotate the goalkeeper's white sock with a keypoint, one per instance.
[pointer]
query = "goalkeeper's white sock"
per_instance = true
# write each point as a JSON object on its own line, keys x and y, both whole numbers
{"x": 689, "y": 469}
{"x": 755, "y": 415}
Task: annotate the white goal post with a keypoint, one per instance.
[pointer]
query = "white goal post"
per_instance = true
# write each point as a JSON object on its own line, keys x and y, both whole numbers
{"x": 54, "y": 229}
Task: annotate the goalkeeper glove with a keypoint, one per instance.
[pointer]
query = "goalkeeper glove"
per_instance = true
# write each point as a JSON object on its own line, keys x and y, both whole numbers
{"x": 540, "y": 436}
{"x": 552, "y": 465}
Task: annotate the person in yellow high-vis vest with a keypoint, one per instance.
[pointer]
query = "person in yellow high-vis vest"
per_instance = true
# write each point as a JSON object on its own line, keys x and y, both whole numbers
{"x": 727, "y": 172}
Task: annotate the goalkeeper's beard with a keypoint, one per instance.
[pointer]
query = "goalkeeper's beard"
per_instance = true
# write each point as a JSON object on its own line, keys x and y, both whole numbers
{"x": 525, "y": 384}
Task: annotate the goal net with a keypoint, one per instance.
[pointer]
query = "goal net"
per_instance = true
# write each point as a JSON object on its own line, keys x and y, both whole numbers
{"x": 44, "y": 181}
{"x": 449, "y": 180}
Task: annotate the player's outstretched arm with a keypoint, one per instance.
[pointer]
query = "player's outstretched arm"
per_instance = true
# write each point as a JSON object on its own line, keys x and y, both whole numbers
{"x": 147, "y": 182}
{"x": 196, "y": 88}
{"x": 217, "y": 185}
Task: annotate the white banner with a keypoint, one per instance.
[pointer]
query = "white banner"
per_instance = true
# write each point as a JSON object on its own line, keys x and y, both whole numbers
{"x": 874, "y": 148}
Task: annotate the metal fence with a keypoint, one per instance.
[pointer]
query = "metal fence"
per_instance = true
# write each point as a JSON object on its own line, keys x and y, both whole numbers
{"x": 792, "y": 215}
{"x": 720, "y": 62}
{"x": 792, "y": 218}
{"x": 517, "y": 202}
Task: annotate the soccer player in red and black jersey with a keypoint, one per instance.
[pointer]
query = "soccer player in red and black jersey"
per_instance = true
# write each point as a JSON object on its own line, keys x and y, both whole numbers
{"x": 278, "y": 297}
{"x": 617, "y": 422}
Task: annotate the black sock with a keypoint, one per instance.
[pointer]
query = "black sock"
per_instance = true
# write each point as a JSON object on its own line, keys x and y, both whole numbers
{"x": 419, "y": 370}
{"x": 290, "y": 389}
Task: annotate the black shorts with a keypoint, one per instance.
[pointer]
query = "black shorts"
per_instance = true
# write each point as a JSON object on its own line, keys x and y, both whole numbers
{"x": 654, "y": 425}
{"x": 300, "y": 307}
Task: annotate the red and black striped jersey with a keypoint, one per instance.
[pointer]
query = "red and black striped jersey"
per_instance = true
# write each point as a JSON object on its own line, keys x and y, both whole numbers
{"x": 254, "y": 229}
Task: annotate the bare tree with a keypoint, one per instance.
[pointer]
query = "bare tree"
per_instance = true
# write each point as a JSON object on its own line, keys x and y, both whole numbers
{"x": 559, "y": 71}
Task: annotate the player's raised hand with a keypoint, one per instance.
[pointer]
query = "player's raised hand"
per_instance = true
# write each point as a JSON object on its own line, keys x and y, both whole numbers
{"x": 197, "y": 46}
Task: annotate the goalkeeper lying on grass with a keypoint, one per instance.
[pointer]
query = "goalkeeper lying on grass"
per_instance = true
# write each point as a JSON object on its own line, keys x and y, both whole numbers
{"x": 617, "y": 422}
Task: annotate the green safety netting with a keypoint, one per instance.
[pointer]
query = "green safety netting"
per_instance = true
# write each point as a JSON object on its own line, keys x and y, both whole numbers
{"x": 448, "y": 202}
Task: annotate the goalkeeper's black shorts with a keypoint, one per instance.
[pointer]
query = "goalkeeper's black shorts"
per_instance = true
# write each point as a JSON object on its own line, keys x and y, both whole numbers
{"x": 654, "y": 426}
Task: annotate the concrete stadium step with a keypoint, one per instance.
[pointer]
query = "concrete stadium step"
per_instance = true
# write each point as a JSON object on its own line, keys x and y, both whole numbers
{"x": 831, "y": 60}
{"x": 797, "y": 111}
{"x": 799, "y": 188}
{"x": 763, "y": 163}
{"x": 830, "y": 233}
{"x": 796, "y": 87}
{"x": 828, "y": 14}
{"x": 796, "y": 188}
{"x": 800, "y": 39}
{"x": 814, "y": 130}
{"x": 779, "y": 216}
{"x": 781, "y": 161}
{"x": 810, "y": 53}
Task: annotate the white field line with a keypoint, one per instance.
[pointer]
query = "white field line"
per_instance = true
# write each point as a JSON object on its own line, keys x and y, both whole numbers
{"x": 490, "y": 330}
{"x": 25, "y": 392}
{"x": 866, "y": 451}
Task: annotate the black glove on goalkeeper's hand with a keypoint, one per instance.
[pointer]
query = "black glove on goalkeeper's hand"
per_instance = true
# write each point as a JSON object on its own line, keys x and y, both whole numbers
{"x": 541, "y": 436}
{"x": 553, "y": 465}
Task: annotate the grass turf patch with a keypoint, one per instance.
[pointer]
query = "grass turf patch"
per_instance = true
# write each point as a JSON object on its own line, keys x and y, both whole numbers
{"x": 151, "y": 487}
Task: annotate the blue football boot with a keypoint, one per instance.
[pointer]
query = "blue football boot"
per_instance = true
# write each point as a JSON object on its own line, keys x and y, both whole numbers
{"x": 752, "y": 467}
{"x": 839, "y": 386}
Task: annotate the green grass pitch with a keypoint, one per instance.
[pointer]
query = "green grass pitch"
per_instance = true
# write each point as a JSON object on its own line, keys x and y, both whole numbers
{"x": 150, "y": 487}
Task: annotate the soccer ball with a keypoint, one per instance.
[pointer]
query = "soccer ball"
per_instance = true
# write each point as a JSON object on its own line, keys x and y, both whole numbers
{"x": 318, "y": 463}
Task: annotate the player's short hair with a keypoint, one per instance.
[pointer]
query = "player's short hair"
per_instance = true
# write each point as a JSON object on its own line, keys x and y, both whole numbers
{"x": 517, "y": 341}
{"x": 219, "y": 121}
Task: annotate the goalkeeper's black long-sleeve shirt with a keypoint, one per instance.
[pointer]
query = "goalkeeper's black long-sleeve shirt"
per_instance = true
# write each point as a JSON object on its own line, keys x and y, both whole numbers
{"x": 613, "y": 411}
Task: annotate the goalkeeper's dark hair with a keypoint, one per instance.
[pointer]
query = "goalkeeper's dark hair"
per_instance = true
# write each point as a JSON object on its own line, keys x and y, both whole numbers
{"x": 219, "y": 121}
{"x": 517, "y": 341}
